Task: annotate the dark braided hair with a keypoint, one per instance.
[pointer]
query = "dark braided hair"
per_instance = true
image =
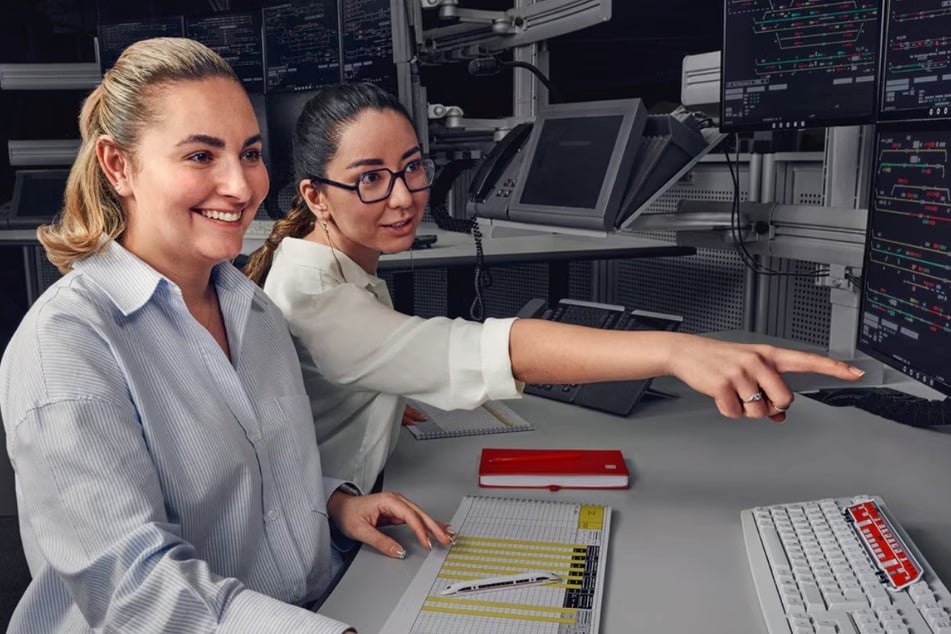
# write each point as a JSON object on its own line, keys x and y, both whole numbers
{"x": 317, "y": 136}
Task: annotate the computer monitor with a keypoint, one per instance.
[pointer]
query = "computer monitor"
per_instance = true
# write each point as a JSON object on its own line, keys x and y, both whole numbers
{"x": 301, "y": 46}
{"x": 37, "y": 196}
{"x": 905, "y": 316}
{"x": 916, "y": 78}
{"x": 237, "y": 38}
{"x": 798, "y": 63}
{"x": 114, "y": 38}
{"x": 283, "y": 110}
{"x": 577, "y": 162}
{"x": 367, "y": 43}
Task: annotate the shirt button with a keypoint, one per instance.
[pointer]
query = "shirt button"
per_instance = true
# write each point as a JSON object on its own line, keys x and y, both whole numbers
{"x": 255, "y": 436}
{"x": 272, "y": 514}
{"x": 298, "y": 593}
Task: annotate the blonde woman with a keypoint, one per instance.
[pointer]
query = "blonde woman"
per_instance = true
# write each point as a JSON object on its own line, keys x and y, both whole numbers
{"x": 168, "y": 478}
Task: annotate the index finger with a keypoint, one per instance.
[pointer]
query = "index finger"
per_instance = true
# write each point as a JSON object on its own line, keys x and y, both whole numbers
{"x": 796, "y": 361}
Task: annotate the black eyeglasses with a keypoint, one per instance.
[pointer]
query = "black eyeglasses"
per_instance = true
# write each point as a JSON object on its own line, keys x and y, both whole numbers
{"x": 377, "y": 185}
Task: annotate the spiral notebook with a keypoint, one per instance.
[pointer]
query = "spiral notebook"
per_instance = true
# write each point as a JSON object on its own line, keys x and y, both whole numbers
{"x": 493, "y": 417}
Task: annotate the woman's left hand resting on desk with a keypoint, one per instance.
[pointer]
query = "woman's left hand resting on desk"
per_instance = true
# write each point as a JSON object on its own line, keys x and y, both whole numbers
{"x": 358, "y": 516}
{"x": 743, "y": 379}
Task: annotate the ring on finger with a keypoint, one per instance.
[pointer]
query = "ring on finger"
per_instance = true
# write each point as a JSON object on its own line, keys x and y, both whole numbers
{"x": 752, "y": 398}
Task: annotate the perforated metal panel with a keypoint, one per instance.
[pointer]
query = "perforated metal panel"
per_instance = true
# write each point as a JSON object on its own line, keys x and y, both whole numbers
{"x": 705, "y": 289}
{"x": 45, "y": 273}
{"x": 801, "y": 310}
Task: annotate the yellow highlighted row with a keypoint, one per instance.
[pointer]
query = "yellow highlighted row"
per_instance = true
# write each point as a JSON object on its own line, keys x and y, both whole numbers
{"x": 503, "y": 605}
{"x": 499, "y": 615}
{"x": 478, "y": 573}
{"x": 511, "y": 553}
{"x": 520, "y": 562}
{"x": 465, "y": 539}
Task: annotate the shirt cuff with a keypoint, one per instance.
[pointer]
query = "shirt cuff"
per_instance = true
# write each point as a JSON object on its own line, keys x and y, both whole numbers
{"x": 338, "y": 540}
{"x": 496, "y": 360}
{"x": 251, "y": 612}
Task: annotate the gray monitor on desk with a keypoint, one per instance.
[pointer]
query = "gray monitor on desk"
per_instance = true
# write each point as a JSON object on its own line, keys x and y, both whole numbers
{"x": 576, "y": 164}
{"x": 37, "y": 197}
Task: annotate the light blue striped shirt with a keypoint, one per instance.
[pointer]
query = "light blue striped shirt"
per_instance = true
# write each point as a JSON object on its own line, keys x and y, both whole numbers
{"x": 162, "y": 487}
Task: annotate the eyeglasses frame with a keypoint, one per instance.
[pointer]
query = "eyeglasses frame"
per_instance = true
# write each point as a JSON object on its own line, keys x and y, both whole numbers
{"x": 389, "y": 190}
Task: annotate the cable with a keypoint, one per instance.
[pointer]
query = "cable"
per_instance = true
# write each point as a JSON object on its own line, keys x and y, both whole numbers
{"x": 492, "y": 66}
{"x": 482, "y": 279}
{"x": 746, "y": 257}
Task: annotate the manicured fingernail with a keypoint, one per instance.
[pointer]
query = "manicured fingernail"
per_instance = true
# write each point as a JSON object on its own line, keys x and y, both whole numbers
{"x": 429, "y": 543}
{"x": 399, "y": 552}
{"x": 856, "y": 371}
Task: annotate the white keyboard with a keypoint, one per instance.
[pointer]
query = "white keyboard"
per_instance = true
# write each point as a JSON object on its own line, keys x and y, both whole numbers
{"x": 841, "y": 566}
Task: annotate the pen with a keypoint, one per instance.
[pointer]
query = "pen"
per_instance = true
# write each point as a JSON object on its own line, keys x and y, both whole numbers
{"x": 499, "y": 583}
{"x": 539, "y": 457}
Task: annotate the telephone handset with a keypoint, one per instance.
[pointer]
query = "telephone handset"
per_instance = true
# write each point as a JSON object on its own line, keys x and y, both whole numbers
{"x": 492, "y": 186}
{"x": 615, "y": 397}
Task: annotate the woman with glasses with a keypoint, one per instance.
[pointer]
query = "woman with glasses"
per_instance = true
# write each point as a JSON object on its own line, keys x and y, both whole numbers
{"x": 363, "y": 189}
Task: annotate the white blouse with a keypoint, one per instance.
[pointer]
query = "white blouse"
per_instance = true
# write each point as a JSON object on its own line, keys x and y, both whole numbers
{"x": 360, "y": 357}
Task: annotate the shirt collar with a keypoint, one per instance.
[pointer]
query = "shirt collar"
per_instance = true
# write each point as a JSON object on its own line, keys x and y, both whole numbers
{"x": 327, "y": 258}
{"x": 130, "y": 283}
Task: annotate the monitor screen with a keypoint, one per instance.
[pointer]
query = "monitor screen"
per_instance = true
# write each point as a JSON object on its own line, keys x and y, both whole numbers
{"x": 577, "y": 163}
{"x": 905, "y": 317}
{"x": 368, "y": 43}
{"x": 237, "y": 38}
{"x": 301, "y": 45}
{"x": 798, "y": 63}
{"x": 38, "y": 194}
{"x": 916, "y": 75}
{"x": 283, "y": 110}
{"x": 114, "y": 38}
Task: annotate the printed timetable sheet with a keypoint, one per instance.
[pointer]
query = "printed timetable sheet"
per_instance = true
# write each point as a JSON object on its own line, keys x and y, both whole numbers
{"x": 505, "y": 536}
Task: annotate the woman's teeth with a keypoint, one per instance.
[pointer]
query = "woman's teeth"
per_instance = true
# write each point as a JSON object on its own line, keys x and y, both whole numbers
{"x": 399, "y": 225}
{"x": 221, "y": 215}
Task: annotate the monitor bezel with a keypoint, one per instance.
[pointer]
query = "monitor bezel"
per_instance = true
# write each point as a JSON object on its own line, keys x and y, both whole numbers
{"x": 633, "y": 115}
{"x": 819, "y": 122}
{"x": 889, "y": 128}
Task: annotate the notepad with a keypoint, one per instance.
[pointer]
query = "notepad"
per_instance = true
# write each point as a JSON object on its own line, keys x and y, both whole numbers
{"x": 553, "y": 469}
{"x": 493, "y": 417}
{"x": 502, "y": 537}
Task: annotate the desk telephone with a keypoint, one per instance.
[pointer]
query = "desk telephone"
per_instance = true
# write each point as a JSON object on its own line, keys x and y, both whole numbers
{"x": 615, "y": 397}
{"x": 651, "y": 151}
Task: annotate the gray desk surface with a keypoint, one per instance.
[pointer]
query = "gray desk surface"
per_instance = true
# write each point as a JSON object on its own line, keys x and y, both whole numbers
{"x": 677, "y": 560}
{"x": 458, "y": 249}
